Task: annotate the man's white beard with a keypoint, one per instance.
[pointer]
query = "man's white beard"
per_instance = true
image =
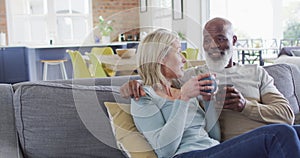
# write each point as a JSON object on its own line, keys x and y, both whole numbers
{"x": 218, "y": 64}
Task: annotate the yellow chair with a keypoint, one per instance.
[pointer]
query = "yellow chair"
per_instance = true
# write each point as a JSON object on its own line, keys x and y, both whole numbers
{"x": 80, "y": 69}
{"x": 104, "y": 51}
{"x": 191, "y": 53}
{"x": 96, "y": 67}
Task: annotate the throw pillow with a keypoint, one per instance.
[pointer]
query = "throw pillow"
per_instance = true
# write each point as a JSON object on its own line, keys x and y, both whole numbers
{"x": 296, "y": 52}
{"x": 128, "y": 138}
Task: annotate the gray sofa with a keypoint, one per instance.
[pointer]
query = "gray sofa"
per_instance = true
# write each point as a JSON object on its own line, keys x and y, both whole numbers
{"x": 67, "y": 118}
{"x": 290, "y": 55}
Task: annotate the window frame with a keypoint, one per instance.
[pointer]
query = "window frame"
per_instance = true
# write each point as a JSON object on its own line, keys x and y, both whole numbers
{"x": 49, "y": 17}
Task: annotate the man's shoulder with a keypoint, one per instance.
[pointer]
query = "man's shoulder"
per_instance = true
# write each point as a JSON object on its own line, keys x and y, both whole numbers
{"x": 245, "y": 66}
{"x": 249, "y": 67}
{"x": 250, "y": 70}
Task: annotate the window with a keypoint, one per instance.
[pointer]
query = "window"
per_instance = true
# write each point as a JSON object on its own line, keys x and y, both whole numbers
{"x": 258, "y": 18}
{"x": 37, "y": 22}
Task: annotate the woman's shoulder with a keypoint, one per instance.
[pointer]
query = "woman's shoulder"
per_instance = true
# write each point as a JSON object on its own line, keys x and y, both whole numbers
{"x": 149, "y": 97}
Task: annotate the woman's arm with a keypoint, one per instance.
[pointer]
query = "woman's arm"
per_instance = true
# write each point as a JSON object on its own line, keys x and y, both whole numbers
{"x": 161, "y": 123}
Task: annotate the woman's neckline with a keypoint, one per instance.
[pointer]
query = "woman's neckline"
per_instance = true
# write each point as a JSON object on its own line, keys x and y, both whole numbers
{"x": 167, "y": 92}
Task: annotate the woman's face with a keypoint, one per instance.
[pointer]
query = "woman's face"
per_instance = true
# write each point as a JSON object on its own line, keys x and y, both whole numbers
{"x": 173, "y": 62}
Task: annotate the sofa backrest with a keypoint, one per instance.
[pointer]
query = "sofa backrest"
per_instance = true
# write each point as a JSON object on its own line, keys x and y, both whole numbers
{"x": 290, "y": 51}
{"x": 287, "y": 80}
{"x": 65, "y": 120}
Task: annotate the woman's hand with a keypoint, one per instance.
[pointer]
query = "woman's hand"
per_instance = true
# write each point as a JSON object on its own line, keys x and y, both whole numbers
{"x": 197, "y": 86}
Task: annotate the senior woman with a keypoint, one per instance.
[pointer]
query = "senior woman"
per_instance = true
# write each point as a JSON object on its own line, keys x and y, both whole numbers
{"x": 174, "y": 123}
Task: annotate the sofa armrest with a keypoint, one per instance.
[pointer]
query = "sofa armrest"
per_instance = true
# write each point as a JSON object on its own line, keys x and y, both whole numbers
{"x": 9, "y": 146}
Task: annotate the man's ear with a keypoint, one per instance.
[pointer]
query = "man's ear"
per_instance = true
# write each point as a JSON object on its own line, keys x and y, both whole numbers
{"x": 234, "y": 39}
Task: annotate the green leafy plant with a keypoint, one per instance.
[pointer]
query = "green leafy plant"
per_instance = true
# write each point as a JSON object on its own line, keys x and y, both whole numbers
{"x": 181, "y": 35}
{"x": 105, "y": 27}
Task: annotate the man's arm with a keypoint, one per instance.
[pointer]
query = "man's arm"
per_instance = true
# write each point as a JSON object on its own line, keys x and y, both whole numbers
{"x": 273, "y": 107}
{"x": 133, "y": 89}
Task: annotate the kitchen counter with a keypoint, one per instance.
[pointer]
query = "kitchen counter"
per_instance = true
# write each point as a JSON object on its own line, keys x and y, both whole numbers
{"x": 74, "y": 45}
{"x": 29, "y": 57}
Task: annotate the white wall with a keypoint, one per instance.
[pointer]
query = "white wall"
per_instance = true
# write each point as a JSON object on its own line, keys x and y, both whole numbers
{"x": 195, "y": 14}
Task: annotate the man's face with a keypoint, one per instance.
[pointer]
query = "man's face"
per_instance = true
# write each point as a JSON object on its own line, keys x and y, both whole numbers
{"x": 217, "y": 44}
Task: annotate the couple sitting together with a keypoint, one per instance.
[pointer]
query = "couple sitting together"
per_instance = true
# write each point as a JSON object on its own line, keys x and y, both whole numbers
{"x": 178, "y": 111}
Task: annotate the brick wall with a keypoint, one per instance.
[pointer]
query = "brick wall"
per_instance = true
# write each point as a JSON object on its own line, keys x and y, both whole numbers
{"x": 3, "y": 27}
{"x": 125, "y": 14}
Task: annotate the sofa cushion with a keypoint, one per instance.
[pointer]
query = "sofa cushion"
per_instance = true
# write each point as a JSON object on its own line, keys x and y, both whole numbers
{"x": 288, "y": 50}
{"x": 286, "y": 79}
{"x": 65, "y": 120}
{"x": 128, "y": 137}
{"x": 296, "y": 52}
{"x": 8, "y": 137}
{"x": 284, "y": 59}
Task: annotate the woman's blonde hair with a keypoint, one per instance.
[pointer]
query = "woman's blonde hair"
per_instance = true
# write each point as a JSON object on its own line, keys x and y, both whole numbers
{"x": 153, "y": 48}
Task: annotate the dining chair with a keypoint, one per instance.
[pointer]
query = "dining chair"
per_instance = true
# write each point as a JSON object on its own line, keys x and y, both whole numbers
{"x": 286, "y": 43}
{"x": 250, "y": 54}
{"x": 256, "y": 43}
{"x": 240, "y": 44}
{"x": 271, "y": 43}
{"x": 272, "y": 50}
{"x": 191, "y": 53}
{"x": 80, "y": 69}
{"x": 104, "y": 51}
{"x": 96, "y": 67}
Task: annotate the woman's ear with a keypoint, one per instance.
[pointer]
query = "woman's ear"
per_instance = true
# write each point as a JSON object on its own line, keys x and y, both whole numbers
{"x": 163, "y": 61}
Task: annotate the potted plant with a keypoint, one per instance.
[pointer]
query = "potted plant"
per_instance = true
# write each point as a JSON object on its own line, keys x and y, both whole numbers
{"x": 105, "y": 28}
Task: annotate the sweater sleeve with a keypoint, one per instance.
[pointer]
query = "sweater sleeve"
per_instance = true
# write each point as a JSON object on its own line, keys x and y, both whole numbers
{"x": 272, "y": 107}
{"x": 164, "y": 134}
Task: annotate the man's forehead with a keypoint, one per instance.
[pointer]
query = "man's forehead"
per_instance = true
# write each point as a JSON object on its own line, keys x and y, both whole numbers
{"x": 214, "y": 27}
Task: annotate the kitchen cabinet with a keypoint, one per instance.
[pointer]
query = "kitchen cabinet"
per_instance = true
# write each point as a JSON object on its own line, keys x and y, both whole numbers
{"x": 23, "y": 63}
{"x": 13, "y": 65}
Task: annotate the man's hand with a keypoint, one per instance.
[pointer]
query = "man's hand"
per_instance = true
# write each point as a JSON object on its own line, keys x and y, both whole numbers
{"x": 132, "y": 89}
{"x": 232, "y": 99}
